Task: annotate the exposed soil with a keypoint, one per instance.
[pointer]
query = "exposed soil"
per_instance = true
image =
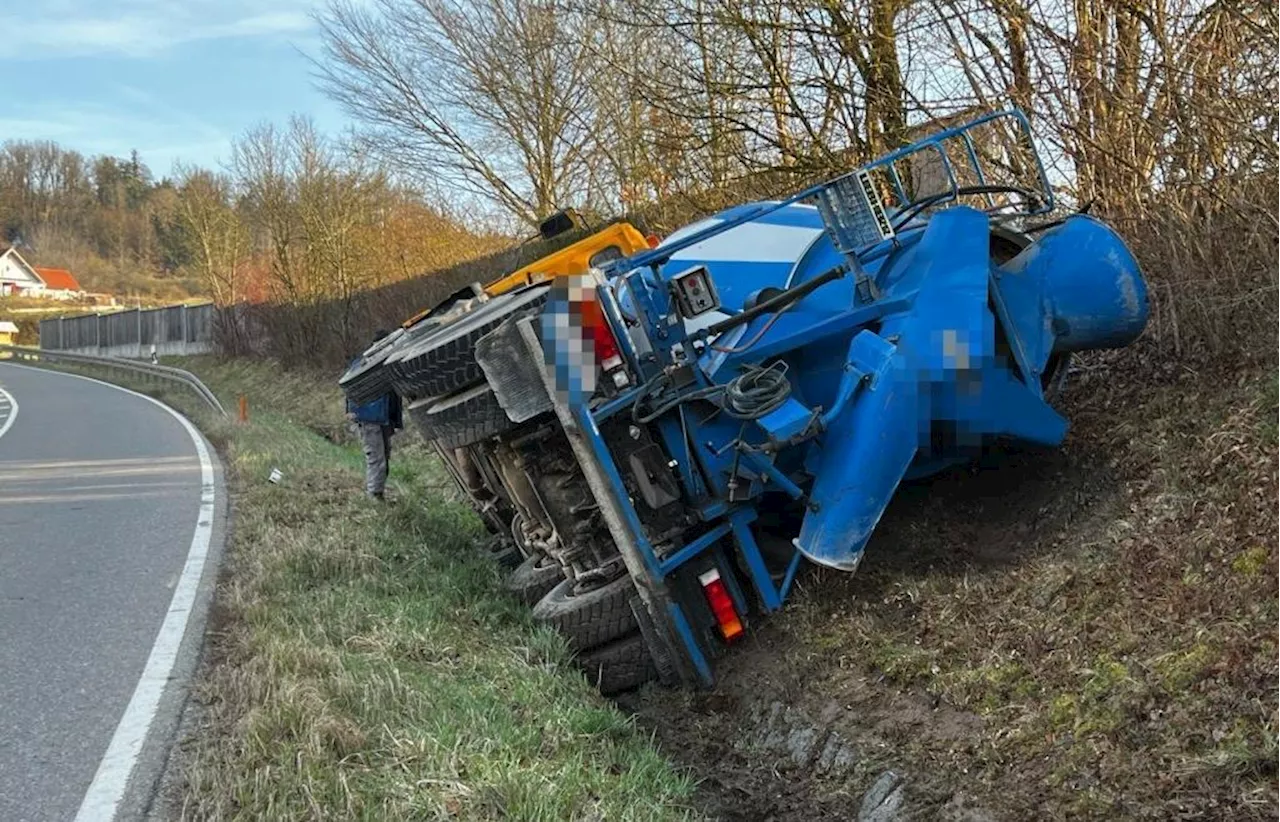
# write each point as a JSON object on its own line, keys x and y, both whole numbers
{"x": 1082, "y": 632}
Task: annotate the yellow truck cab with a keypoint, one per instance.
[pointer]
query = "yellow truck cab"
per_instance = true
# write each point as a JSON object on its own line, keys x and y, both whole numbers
{"x": 617, "y": 240}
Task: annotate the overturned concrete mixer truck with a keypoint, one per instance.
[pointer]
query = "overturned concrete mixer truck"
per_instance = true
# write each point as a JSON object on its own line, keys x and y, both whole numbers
{"x": 660, "y": 437}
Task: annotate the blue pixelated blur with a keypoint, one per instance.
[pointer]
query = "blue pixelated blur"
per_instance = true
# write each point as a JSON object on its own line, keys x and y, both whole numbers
{"x": 568, "y": 346}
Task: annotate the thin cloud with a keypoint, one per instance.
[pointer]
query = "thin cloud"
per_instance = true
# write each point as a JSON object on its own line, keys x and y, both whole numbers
{"x": 160, "y": 140}
{"x": 144, "y": 29}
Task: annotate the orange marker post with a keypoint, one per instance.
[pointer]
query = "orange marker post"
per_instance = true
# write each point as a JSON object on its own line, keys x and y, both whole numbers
{"x": 244, "y": 409}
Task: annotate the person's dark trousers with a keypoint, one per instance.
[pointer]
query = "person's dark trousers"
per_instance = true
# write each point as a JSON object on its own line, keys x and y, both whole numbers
{"x": 376, "y": 440}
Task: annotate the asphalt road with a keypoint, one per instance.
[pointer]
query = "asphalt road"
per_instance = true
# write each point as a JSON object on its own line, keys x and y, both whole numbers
{"x": 102, "y": 502}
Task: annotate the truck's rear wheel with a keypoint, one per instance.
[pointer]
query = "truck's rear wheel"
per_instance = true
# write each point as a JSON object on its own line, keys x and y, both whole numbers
{"x": 591, "y": 618}
{"x": 619, "y": 666}
{"x": 462, "y": 419}
{"x": 445, "y": 362}
{"x": 533, "y": 578}
{"x": 368, "y": 378}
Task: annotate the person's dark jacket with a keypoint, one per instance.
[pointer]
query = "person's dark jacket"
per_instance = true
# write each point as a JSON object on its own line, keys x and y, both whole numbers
{"x": 384, "y": 410}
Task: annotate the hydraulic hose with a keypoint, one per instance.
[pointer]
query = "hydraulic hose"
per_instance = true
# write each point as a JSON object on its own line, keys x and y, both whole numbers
{"x": 779, "y": 301}
{"x": 748, "y": 396}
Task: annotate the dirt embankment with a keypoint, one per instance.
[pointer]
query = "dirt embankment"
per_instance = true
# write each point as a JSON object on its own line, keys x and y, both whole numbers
{"x": 1086, "y": 632}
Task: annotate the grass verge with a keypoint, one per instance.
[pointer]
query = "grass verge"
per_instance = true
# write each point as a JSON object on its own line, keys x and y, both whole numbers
{"x": 1105, "y": 615}
{"x": 364, "y": 663}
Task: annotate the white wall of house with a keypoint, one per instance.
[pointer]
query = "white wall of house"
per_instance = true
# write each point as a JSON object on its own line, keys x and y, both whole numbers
{"x": 57, "y": 294}
{"x": 16, "y": 277}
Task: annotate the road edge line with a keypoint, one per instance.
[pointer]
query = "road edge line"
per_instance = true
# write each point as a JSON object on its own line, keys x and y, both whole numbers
{"x": 13, "y": 413}
{"x": 111, "y": 780}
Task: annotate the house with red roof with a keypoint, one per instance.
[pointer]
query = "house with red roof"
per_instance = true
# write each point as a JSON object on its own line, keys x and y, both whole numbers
{"x": 20, "y": 279}
{"x": 59, "y": 283}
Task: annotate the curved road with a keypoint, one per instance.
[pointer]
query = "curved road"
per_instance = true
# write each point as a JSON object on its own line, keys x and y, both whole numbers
{"x": 110, "y": 519}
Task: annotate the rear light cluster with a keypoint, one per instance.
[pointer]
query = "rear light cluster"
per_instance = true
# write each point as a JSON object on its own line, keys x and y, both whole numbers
{"x": 604, "y": 344}
{"x": 721, "y": 604}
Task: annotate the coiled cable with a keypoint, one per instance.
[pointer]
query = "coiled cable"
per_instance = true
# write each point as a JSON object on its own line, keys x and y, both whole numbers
{"x": 751, "y": 395}
{"x": 748, "y": 396}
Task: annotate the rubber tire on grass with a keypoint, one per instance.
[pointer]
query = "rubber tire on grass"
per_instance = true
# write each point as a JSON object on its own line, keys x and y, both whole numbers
{"x": 462, "y": 419}
{"x": 591, "y": 618}
{"x": 618, "y": 666}
{"x": 532, "y": 578}
{"x": 445, "y": 362}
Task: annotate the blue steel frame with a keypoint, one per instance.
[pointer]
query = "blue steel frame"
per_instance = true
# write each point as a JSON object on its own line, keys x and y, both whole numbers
{"x": 736, "y": 522}
{"x": 653, "y": 301}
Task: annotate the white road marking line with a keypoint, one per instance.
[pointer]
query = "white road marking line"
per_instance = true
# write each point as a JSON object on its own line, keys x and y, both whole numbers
{"x": 12, "y": 416}
{"x": 107, "y": 789}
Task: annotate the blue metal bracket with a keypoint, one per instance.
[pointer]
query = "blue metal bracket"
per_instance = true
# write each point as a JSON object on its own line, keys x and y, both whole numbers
{"x": 1028, "y": 360}
{"x": 766, "y": 467}
{"x": 770, "y": 597}
{"x": 692, "y": 549}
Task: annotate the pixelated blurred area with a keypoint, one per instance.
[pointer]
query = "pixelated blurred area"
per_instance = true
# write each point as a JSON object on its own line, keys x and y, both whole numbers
{"x": 569, "y": 319}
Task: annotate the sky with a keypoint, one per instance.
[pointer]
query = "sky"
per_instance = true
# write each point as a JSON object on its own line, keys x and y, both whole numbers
{"x": 177, "y": 80}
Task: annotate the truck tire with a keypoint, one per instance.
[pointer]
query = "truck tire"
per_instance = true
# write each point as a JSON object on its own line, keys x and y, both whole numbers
{"x": 591, "y": 618}
{"x": 445, "y": 362}
{"x": 532, "y": 578}
{"x": 368, "y": 378}
{"x": 461, "y": 419}
{"x": 619, "y": 666}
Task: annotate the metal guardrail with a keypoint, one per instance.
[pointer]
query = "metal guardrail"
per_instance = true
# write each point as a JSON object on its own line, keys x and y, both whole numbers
{"x": 147, "y": 370}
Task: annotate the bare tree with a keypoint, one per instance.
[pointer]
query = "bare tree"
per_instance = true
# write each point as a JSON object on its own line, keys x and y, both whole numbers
{"x": 219, "y": 237}
{"x": 489, "y": 97}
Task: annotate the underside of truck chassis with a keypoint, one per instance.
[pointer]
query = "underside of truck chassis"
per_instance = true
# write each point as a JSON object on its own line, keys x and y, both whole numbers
{"x": 657, "y": 447}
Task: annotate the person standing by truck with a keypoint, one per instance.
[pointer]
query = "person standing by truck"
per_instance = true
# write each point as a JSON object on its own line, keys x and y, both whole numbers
{"x": 376, "y": 422}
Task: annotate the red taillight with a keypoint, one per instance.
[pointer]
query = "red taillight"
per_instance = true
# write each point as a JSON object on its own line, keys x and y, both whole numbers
{"x": 653, "y": 241}
{"x": 606, "y": 347}
{"x": 721, "y": 604}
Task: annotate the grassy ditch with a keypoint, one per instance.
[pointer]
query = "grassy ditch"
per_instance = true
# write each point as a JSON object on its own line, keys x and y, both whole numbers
{"x": 1085, "y": 632}
{"x": 364, "y": 663}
